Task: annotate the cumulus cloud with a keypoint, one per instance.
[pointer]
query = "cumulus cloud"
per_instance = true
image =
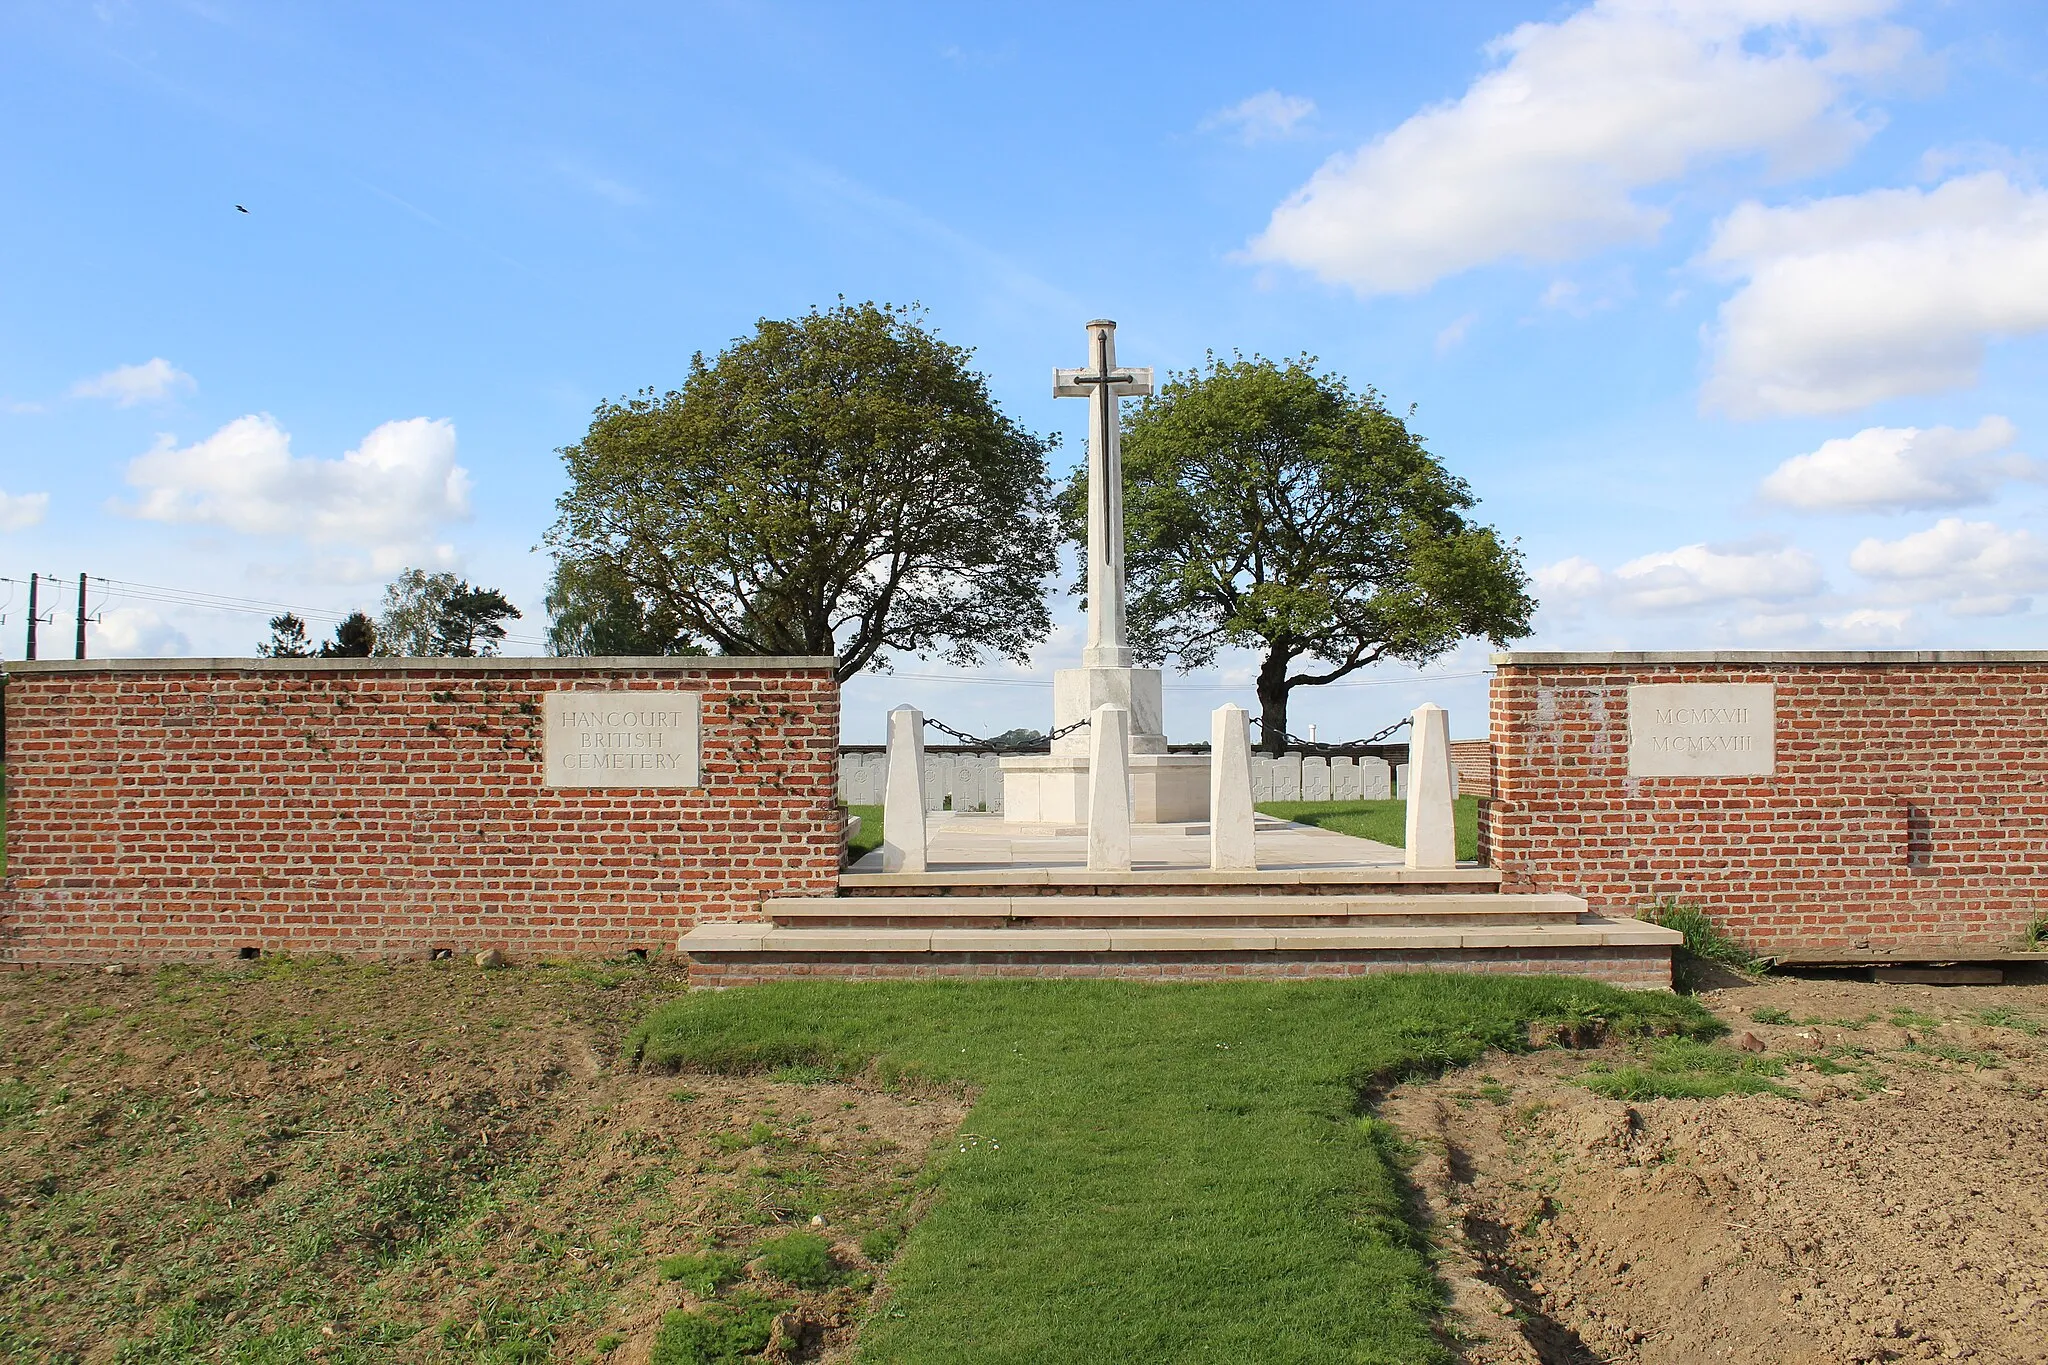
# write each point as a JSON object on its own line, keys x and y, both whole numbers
{"x": 1677, "y": 580}
{"x": 1543, "y": 157}
{"x": 1268, "y": 114}
{"x": 135, "y": 633}
{"x": 1696, "y": 575}
{"x": 127, "y": 385}
{"x": 1896, "y": 469}
{"x": 387, "y": 497}
{"x": 1975, "y": 568}
{"x": 1854, "y": 299}
{"x": 19, "y": 511}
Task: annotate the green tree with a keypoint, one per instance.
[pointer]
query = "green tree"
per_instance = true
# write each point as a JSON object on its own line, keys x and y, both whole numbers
{"x": 1269, "y": 507}
{"x": 287, "y": 639}
{"x": 593, "y": 612}
{"x": 354, "y": 638}
{"x": 439, "y": 614}
{"x": 413, "y": 603}
{"x": 472, "y": 622}
{"x": 837, "y": 483}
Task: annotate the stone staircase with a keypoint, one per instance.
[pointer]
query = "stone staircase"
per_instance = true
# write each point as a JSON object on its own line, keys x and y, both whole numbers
{"x": 1174, "y": 923}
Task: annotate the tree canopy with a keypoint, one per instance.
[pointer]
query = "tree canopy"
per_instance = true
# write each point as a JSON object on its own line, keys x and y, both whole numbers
{"x": 1269, "y": 507}
{"x": 839, "y": 483}
{"x": 439, "y": 614}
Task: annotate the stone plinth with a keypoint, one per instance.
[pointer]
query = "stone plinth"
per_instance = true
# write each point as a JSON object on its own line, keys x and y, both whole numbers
{"x": 1166, "y": 788}
{"x": 1046, "y": 788}
{"x": 1076, "y": 692}
{"x": 1052, "y": 789}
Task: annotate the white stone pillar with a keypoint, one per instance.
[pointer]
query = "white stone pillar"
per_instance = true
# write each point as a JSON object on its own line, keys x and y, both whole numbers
{"x": 903, "y": 831}
{"x": 1432, "y": 826}
{"x": 1109, "y": 790}
{"x": 1232, "y": 822}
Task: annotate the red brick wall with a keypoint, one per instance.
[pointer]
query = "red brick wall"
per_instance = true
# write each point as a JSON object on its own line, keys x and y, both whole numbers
{"x": 188, "y": 809}
{"x": 1473, "y": 758}
{"x": 1909, "y": 804}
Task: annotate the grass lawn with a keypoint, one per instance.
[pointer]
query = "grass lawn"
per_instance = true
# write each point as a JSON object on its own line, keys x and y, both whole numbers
{"x": 1151, "y": 1172}
{"x": 1385, "y": 821}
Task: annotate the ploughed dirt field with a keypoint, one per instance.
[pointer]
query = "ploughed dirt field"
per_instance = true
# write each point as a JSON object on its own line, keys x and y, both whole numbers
{"x": 1883, "y": 1195}
{"x": 283, "y": 1162}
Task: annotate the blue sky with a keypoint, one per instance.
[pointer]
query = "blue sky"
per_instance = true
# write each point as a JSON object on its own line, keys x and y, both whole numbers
{"x": 1732, "y": 311}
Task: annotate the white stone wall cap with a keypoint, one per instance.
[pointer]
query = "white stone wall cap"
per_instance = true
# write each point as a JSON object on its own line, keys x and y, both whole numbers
{"x": 1529, "y": 658}
{"x": 658, "y": 663}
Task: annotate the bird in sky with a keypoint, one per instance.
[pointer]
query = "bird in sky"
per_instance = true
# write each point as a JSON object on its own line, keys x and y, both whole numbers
{"x": 240, "y": 209}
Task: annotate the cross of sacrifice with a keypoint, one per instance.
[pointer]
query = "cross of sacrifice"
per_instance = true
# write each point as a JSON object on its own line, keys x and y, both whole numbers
{"x": 1102, "y": 384}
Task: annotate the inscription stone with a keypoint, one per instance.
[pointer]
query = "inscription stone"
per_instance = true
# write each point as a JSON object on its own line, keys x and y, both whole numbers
{"x": 1702, "y": 730}
{"x": 621, "y": 739}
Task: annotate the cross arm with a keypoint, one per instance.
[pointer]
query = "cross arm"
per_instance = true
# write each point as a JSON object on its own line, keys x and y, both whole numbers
{"x": 1076, "y": 384}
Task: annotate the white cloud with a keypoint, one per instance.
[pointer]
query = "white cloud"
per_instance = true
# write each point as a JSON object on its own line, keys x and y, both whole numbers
{"x": 1695, "y": 575}
{"x": 386, "y": 497}
{"x": 1855, "y": 299}
{"x": 19, "y": 511}
{"x": 1268, "y": 114}
{"x": 134, "y": 633}
{"x": 1975, "y": 568}
{"x": 1677, "y": 580}
{"x": 1453, "y": 335}
{"x": 1900, "y": 469}
{"x": 1543, "y": 157}
{"x": 127, "y": 385}
{"x": 1869, "y": 625}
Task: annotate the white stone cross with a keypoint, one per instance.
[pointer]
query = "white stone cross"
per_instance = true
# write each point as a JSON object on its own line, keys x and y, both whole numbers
{"x": 1102, "y": 384}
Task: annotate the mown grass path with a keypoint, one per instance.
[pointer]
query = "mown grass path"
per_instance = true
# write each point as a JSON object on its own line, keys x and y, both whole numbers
{"x": 1152, "y": 1172}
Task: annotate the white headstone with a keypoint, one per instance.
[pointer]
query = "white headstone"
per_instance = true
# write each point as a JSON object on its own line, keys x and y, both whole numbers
{"x": 1232, "y": 822}
{"x": 1109, "y": 790}
{"x": 903, "y": 831}
{"x": 1432, "y": 822}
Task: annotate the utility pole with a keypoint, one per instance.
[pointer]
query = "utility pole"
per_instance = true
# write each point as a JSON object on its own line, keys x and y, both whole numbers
{"x": 31, "y": 617}
{"x": 81, "y": 616}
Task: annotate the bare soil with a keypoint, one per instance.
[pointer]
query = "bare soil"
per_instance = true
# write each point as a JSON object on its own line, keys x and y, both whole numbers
{"x": 1892, "y": 1204}
{"x": 408, "y": 1163}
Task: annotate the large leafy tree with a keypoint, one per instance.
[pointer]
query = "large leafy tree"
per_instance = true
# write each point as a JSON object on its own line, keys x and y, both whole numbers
{"x": 591, "y": 611}
{"x": 1269, "y": 507}
{"x": 837, "y": 483}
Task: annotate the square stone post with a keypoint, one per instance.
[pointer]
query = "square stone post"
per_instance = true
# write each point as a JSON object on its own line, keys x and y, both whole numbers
{"x": 903, "y": 832}
{"x": 1109, "y": 790}
{"x": 1232, "y": 822}
{"x": 1432, "y": 825}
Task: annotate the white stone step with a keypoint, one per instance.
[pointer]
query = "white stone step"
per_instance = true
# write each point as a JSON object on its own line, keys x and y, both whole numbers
{"x": 1447, "y": 906}
{"x": 755, "y": 937}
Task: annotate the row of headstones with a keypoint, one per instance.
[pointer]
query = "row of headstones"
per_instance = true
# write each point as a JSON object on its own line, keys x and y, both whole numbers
{"x": 974, "y": 782}
{"x": 1431, "y": 791}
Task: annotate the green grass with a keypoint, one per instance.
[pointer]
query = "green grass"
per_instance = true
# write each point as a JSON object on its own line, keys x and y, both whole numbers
{"x": 1383, "y": 821}
{"x": 1686, "y": 1069}
{"x": 870, "y": 837}
{"x": 1163, "y": 1172}
{"x": 803, "y": 1259}
{"x": 1703, "y": 938}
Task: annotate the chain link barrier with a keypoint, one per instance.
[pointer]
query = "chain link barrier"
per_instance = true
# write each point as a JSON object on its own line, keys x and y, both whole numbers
{"x": 1044, "y": 742}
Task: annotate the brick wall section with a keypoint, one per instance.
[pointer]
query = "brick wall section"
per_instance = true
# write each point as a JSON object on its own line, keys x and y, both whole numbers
{"x": 165, "y": 810}
{"x": 1473, "y": 758}
{"x": 1909, "y": 805}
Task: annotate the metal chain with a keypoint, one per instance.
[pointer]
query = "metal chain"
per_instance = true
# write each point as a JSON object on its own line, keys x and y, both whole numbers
{"x": 1013, "y": 746}
{"x": 1344, "y": 747}
{"x": 1293, "y": 741}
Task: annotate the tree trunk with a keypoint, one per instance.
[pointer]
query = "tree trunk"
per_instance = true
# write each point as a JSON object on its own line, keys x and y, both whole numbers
{"x": 1273, "y": 703}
